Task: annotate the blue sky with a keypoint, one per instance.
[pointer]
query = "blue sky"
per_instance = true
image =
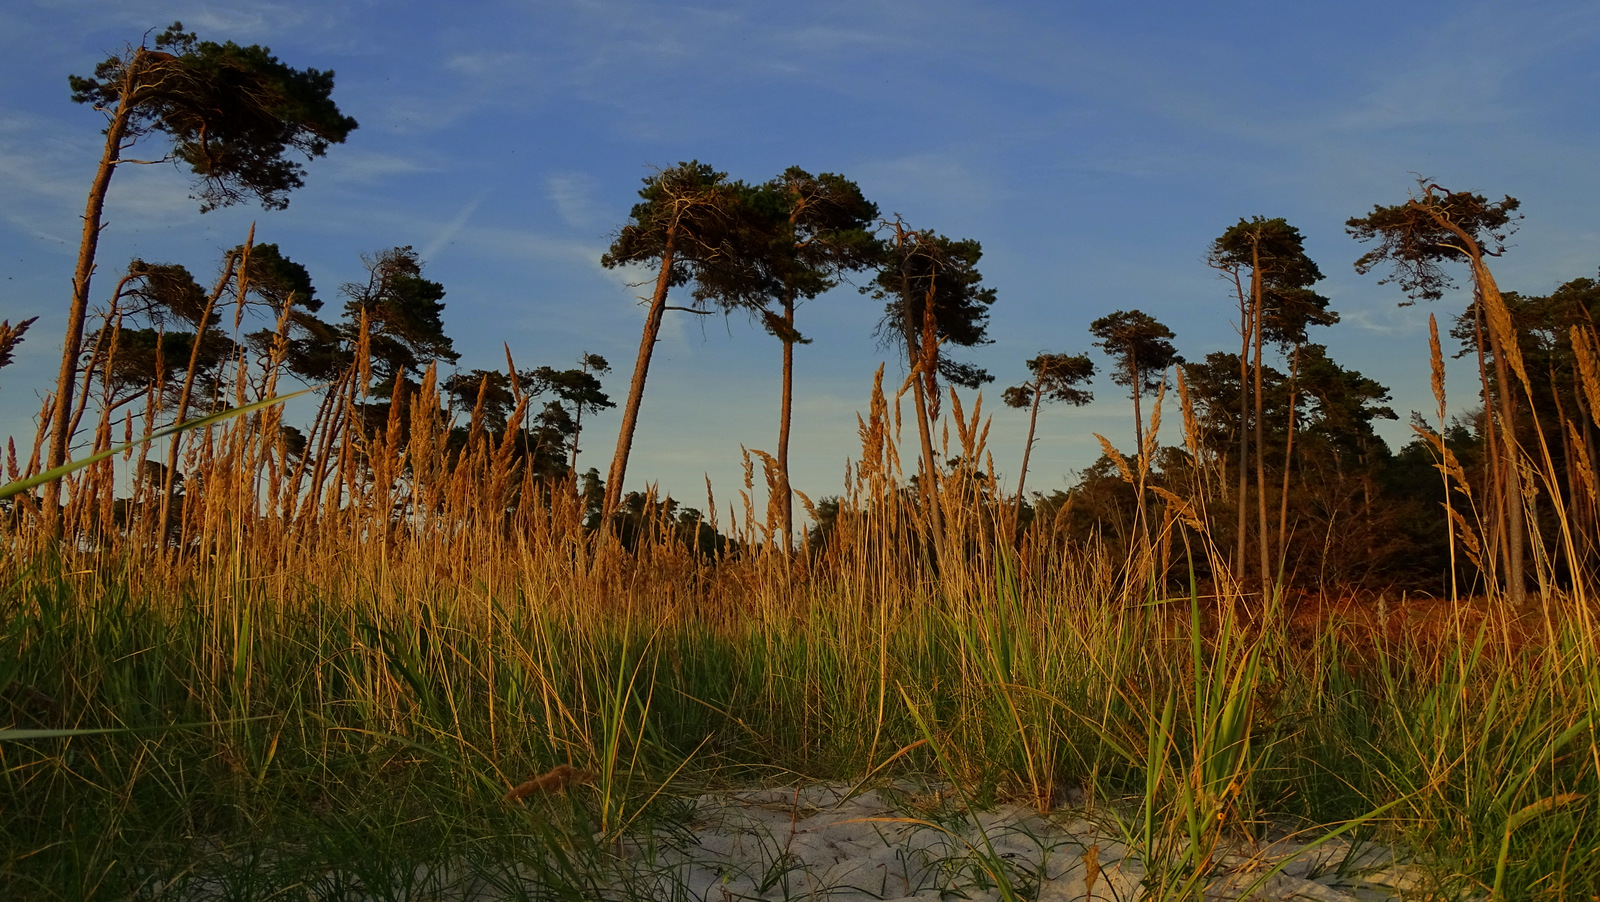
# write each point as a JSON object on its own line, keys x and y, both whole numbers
{"x": 1095, "y": 149}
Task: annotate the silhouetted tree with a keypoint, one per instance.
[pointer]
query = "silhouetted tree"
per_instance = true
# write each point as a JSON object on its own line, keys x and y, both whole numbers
{"x": 1561, "y": 422}
{"x": 1414, "y": 239}
{"x": 231, "y": 113}
{"x": 819, "y": 228}
{"x": 1278, "y": 305}
{"x": 933, "y": 296}
{"x": 1141, "y": 350}
{"x": 579, "y": 388}
{"x": 693, "y": 224}
{"x": 403, "y": 315}
{"x": 1055, "y": 378}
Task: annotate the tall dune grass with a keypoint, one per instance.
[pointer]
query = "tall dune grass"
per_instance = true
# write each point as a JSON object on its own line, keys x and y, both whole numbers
{"x": 332, "y": 668}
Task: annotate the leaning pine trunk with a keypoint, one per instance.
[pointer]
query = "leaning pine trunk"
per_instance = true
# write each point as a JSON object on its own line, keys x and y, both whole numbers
{"x": 786, "y": 496}
{"x": 647, "y": 346}
{"x": 1033, "y": 419}
{"x": 72, "y": 344}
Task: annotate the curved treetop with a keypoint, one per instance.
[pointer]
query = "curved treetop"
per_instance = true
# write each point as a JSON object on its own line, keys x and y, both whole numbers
{"x": 232, "y": 113}
{"x": 1418, "y": 235}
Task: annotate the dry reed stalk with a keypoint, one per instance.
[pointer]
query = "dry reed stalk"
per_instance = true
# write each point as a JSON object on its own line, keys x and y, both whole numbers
{"x": 1117, "y": 458}
{"x": 1586, "y": 347}
{"x": 770, "y": 475}
{"x": 46, "y": 411}
{"x": 1191, "y": 425}
{"x": 1582, "y": 465}
{"x": 1501, "y": 329}
{"x": 1436, "y": 380}
{"x": 871, "y": 432}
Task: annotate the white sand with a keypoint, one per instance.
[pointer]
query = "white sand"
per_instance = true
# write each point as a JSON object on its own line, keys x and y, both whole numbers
{"x": 820, "y": 843}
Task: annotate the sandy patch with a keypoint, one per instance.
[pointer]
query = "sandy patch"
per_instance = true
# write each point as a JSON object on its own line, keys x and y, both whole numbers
{"x": 819, "y": 842}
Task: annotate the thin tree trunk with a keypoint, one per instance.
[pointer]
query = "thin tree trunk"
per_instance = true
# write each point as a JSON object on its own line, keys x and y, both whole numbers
{"x": 1138, "y": 415}
{"x": 930, "y": 484}
{"x": 1262, "y": 539}
{"x": 1288, "y": 452}
{"x": 785, "y": 495}
{"x": 919, "y": 364}
{"x": 72, "y": 344}
{"x": 577, "y": 418}
{"x": 577, "y": 430}
{"x": 1022, "y": 476}
{"x": 1496, "y": 538}
{"x": 1246, "y": 328}
{"x": 1139, "y": 456}
{"x": 1584, "y": 442}
{"x": 1515, "y": 537}
{"x": 630, "y": 412}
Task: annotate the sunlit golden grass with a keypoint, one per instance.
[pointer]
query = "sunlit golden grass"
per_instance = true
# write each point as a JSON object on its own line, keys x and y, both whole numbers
{"x": 360, "y": 653}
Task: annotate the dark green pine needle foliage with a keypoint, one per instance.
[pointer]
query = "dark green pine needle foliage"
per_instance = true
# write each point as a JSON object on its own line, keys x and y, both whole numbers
{"x": 278, "y": 281}
{"x": 1289, "y": 306}
{"x": 1139, "y": 345}
{"x": 1055, "y": 378}
{"x": 159, "y": 314}
{"x": 165, "y": 293}
{"x": 810, "y": 230}
{"x": 928, "y": 279}
{"x": 1413, "y": 242}
{"x": 404, "y": 316}
{"x": 232, "y": 113}
{"x": 693, "y": 212}
{"x": 577, "y": 387}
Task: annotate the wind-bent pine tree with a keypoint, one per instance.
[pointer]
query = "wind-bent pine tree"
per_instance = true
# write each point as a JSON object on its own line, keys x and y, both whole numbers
{"x": 404, "y": 313}
{"x": 231, "y": 113}
{"x": 1414, "y": 238}
{"x": 695, "y": 225}
{"x": 820, "y": 228}
{"x": 1055, "y": 378}
{"x": 1141, "y": 350}
{"x": 1277, "y": 306}
{"x": 933, "y": 296}
{"x": 578, "y": 387}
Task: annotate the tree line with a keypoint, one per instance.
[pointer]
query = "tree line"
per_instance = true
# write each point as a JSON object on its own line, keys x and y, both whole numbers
{"x": 1271, "y": 454}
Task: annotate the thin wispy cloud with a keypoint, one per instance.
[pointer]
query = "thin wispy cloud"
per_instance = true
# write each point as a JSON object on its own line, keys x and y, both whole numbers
{"x": 574, "y": 196}
{"x": 366, "y": 167}
{"x": 447, "y": 234}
